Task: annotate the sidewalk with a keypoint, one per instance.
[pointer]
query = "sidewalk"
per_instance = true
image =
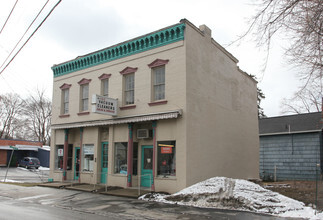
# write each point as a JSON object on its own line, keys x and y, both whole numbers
{"x": 102, "y": 189}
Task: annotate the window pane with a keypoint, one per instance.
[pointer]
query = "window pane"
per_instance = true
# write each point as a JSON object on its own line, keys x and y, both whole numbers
{"x": 129, "y": 82}
{"x": 159, "y": 83}
{"x": 66, "y": 95}
{"x": 85, "y": 91}
{"x": 120, "y": 158}
{"x": 105, "y": 85}
{"x": 66, "y": 108}
{"x": 129, "y": 97}
{"x": 88, "y": 157}
{"x": 166, "y": 158}
{"x": 85, "y": 103}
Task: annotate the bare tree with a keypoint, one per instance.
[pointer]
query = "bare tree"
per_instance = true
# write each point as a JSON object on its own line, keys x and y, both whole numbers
{"x": 38, "y": 114}
{"x": 298, "y": 21}
{"x": 11, "y": 110}
{"x": 308, "y": 99}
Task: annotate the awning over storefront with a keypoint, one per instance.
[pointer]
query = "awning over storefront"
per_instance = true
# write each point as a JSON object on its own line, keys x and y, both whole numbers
{"x": 121, "y": 120}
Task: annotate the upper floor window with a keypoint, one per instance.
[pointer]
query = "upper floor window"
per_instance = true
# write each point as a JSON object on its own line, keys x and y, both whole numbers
{"x": 84, "y": 94}
{"x": 65, "y": 98}
{"x": 105, "y": 84}
{"x": 129, "y": 91}
{"x": 129, "y": 85}
{"x": 84, "y": 97}
{"x": 158, "y": 79}
{"x": 66, "y": 95}
{"x": 159, "y": 83}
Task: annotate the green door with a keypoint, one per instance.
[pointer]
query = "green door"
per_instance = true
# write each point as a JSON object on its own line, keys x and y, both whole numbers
{"x": 104, "y": 162}
{"x": 146, "y": 166}
{"x": 77, "y": 163}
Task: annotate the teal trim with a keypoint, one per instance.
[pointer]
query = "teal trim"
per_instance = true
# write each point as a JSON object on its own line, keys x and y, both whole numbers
{"x": 104, "y": 170}
{"x": 148, "y": 42}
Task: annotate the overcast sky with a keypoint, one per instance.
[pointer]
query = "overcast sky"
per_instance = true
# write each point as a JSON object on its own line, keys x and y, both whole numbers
{"x": 78, "y": 27}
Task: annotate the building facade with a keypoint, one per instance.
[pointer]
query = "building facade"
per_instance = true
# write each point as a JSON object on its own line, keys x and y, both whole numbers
{"x": 164, "y": 110}
{"x": 291, "y": 147}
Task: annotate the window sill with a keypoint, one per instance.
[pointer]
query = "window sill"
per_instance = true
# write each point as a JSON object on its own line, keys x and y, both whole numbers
{"x": 161, "y": 102}
{"x": 64, "y": 116}
{"x": 83, "y": 113}
{"x": 126, "y": 107}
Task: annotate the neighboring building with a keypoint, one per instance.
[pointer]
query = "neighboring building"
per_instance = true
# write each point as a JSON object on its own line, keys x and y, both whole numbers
{"x": 181, "y": 111}
{"x": 291, "y": 145}
{"x": 23, "y": 149}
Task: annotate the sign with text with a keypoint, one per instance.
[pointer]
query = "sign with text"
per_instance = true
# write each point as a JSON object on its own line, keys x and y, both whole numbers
{"x": 60, "y": 152}
{"x": 166, "y": 150}
{"x": 104, "y": 105}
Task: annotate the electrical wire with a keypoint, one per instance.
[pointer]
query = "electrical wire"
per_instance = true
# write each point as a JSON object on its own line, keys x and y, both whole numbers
{"x": 31, "y": 35}
{"x": 24, "y": 34}
{"x": 9, "y": 16}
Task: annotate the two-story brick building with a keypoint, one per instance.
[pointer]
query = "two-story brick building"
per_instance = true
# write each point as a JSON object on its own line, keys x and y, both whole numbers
{"x": 170, "y": 108}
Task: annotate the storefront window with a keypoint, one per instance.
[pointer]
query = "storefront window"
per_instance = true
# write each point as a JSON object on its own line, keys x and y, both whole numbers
{"x": 120, "y": 157}
{"x": 88, "y": 157}
{"x": 166, "y": 158}
{"x": 59, "y": 157}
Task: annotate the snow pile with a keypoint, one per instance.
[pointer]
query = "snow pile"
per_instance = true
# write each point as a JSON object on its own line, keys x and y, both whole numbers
{"x": 227, "y": 193}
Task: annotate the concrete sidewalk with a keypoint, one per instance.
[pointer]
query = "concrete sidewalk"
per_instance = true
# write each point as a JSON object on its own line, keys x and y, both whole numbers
{"x": 102, "y": 189}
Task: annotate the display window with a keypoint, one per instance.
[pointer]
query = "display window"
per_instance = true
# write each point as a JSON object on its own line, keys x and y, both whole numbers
{"x": 88, "y": 157}
{"x": 166, "y": 157}
{"x": 120, "y": 157}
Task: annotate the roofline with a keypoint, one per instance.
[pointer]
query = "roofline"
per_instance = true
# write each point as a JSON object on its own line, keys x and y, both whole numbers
{"x": 292, "y": 132}
{"x": 282, "y": 116}
{"x": 136, "y": 45}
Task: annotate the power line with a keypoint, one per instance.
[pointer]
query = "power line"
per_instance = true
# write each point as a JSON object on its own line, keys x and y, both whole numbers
{"x": 9, "y": 16}
{"x": 31, "y": 35}
{"x": 24, "y": 34}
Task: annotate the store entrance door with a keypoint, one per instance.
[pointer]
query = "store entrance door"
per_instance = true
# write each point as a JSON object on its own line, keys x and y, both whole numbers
{"x": 146, "y": 166}
{"x": 77, "y": 163}
{"x": 104, "y": 162}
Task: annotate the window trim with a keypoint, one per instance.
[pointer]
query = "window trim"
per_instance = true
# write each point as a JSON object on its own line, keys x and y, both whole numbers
{"x": 65, "y": 87}
{"x": 125, "y": 72}
{"x": 84, "y": 82}
{"x": 157, "y": 63}
{"x": 104, "y": 77}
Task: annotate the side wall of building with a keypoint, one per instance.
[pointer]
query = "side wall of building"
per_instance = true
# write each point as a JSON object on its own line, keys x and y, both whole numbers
{"x": 222, "y": 119}
{"x": 290, "y": 156}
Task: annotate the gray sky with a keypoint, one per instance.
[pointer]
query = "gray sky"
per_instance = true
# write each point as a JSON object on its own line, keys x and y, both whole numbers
{"x": 78, "y": 27}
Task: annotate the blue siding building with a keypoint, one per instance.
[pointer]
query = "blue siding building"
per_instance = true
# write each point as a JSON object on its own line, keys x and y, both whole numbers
{"x": 291, "y": 147}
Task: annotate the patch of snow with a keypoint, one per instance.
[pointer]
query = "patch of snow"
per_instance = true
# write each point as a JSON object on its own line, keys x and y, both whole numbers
{"x": 236, "y": 194}
{"x": 43, "y": 168}
{"x": 10, "y": 181}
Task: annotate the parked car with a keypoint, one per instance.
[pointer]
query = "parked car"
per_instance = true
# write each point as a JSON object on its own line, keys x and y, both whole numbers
{"x": 29, "y": 162}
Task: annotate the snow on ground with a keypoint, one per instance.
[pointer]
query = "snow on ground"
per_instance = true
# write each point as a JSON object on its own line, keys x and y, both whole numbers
{"x": 10, "y": 181}
{"x": 236, "y": 194}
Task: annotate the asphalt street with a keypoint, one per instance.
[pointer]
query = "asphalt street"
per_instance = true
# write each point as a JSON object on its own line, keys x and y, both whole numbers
{"x": 18, "y": 202}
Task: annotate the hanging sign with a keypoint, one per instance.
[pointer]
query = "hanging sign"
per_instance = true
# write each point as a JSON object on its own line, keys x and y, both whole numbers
{"x": 104, "y": 105}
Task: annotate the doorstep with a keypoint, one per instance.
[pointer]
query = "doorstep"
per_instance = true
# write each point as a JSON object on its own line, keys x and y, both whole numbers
{"x": 127, "y": 192}
{"x": 58, "y": 185}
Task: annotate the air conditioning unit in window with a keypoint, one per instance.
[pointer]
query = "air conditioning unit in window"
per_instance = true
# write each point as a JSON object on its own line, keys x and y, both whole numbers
{"x": 144, "y": 133}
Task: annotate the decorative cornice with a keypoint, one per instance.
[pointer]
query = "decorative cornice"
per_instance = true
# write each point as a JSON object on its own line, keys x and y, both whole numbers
{"x": 84, "y": 81}
{"x": 104, "y": 76}
{"x": 158, "y": 62}
{"x": 150, "y": 41}
{"x": 128, "y": 70}
{"x": 65, "y": 86}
